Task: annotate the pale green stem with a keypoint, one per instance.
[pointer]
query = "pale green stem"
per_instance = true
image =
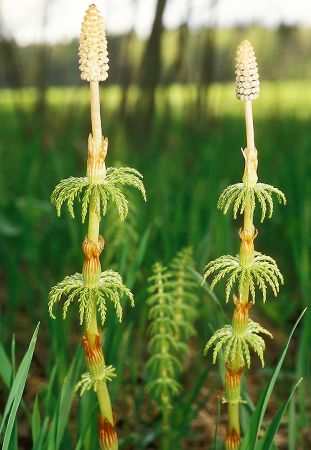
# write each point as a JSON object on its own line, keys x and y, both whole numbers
{"x": 233, "y": 411}
{"x": 249, "y": 124}
{"x": 93, "y": 234}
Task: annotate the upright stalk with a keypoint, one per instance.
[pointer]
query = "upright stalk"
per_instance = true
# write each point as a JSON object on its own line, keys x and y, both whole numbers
{"x": 249, "y": 269}
{"x": 240, "y": 316}
{"x": 92, "y": 338}
{"x": 92, "y": 289}
{"x": 94, "y": 243}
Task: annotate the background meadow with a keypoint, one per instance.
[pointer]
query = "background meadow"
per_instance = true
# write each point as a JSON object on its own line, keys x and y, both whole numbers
{"x": 169, "y": 109}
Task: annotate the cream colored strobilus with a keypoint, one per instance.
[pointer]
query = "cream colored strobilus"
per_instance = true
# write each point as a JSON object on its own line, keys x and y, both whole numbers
{"x": 249, "y": 271}
{"x": 93, "y": 289}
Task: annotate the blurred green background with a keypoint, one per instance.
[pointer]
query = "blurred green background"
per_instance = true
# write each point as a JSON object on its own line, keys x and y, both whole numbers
{"x": 169, "y": 109}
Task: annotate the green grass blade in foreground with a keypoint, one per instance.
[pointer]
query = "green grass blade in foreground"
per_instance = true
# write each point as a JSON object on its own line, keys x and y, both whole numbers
{"x": 67, "y": 395}
{"x": 85, "y": 428}
{"x": 267, "y": 441}
{"x": 17, "y": 391}
{"x": 60, "y": 418}
{"x": 35, "y": 421}
{"x": 292, "y": 425}
{"x": 38, "y": 443}
{"x": 250, "y": 439}
{"x": 5, "y": 367}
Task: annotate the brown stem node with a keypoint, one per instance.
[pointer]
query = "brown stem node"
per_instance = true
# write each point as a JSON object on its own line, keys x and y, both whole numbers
{"x": 233, "y": 376}
{"x": 91, "y": 266}
{"x": 96, "y": 170}
{"x": 232, "y": 439}
{"x": 92, "y": 250}
{"x": 93, "y": 352}
{"x": 247, "y": 249}
{"x": 240, "y": 314}
{"x": 106, "y": 432}
{"x": 247, "y": 237}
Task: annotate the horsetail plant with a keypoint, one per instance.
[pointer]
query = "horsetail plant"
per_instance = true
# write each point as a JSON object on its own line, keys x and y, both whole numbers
{"x": 93, "y": 289}
{"x": 249, "y": 271}
{"x": 171, "y": 313}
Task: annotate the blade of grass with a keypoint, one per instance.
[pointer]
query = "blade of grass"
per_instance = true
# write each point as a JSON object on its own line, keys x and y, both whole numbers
{"x": 86, "y": 427}
{"x": 5, "y": 367}
{"x": 267, "y": 441}
{"x": 66, "y": 396}
{"x": 292, "y": 425}
{"x": 250, "y": 439}
{"x": 59, "y": 420}
{"x": 38, "y": 443}
{"x": 17, "y": 391}
{"x": 35, "y": 421}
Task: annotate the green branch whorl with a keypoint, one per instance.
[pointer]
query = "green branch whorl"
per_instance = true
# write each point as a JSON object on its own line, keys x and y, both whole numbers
{"x": 237, "y": 346}
{"x": 261, "y": 273}
{"x": 110, "y": 288}
{"x": 238, "y": 196}
{"x": 70, "y": 189}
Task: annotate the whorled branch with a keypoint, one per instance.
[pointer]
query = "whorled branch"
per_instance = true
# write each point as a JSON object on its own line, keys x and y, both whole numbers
{"x": 238, "y": 196}
{"x": 88, "y": 381}
{"x": 262, "y": 272}
{"x": 110, "y": 288}
{"x": 237, "y": 346}
{"x": 70, "y": 189}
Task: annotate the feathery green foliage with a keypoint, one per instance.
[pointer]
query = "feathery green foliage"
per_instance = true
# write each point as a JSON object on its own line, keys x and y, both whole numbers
{"x": 163, "y": 365}
{"x": 238, "y": 195}
{"x": 237, "y": 346}
{"x": 172, "y": 312}
{"x": 110, "y": 288}
{"x": 184, "y": 287}
{"x": 80, "y": 188}
{"x": 88, "y": 381}
{"x": 262, "y": 272}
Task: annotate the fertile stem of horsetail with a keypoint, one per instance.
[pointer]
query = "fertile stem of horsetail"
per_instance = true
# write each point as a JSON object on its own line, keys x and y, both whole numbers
{"x": 93, "y": 288}
{"x": 250, "y": 270}
{"x": 94, "y": 68}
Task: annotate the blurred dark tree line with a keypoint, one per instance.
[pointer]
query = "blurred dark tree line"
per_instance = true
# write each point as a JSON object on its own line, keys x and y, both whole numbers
{"x": 180, "y": 56}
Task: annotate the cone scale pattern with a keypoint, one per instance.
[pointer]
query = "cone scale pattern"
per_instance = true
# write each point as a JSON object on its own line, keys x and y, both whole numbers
{"x": 247, "y": 77}
{"x": 93, "y": 53}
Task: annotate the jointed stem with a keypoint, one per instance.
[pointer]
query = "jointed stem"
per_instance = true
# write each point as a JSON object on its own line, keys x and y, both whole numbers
{"x": 93, "y": 235}
{"x": 250, "y": 177}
